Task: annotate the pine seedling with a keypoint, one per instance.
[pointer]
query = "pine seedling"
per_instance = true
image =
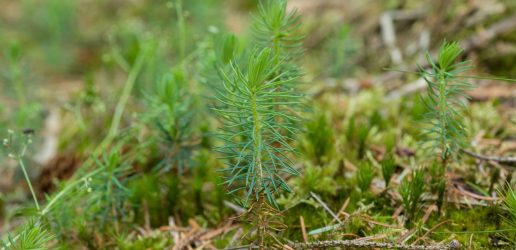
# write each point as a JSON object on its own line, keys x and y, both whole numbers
{"x": 256, "y": 118}
{"x": 411, "y": 193}
{"x": 173, "y": 116}
{"x": 106, "y": 198}
{"x": 445, "y": 101}
{"x": 364, "y": 176}
{"x": 388, "y": 165}
{"x": 256, "y": 149}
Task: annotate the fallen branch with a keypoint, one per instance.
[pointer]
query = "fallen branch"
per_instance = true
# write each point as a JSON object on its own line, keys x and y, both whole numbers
{"x": 431, "y": 230}
{"x": 370, "y": 245}
{"x": 501, "y": 159}
{"x": 318, "y": 199}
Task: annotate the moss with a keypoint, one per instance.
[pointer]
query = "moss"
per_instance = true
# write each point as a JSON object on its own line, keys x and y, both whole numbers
{"x": 480, "y": 221}
{"x": 314, "y": 218}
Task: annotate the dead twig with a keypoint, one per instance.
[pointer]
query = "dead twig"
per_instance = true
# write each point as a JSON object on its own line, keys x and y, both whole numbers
{"x": 303, "y": 228}
{"x": 431, "y": 230}
{"x": 370, "y": 245}
{"x": 425, "y": 218}
{"x": 342, "y": 209}
{"x": 483, "y": 38}
{"x": 509, "y": 160}
{"x": 316, "y": 197}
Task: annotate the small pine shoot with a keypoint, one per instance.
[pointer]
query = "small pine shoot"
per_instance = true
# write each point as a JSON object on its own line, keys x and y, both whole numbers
{"x": 108, "y": 195}
{"x": 172, "y": 113}
{"x": 445, "y": 101}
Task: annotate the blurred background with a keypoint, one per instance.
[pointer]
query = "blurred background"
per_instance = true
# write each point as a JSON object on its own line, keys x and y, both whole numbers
{"x": 63, "y": 62}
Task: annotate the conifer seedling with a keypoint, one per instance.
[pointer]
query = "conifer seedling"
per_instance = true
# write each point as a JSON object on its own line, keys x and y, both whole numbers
{"x": 254, "y": 141}
{"x": 256, "y": 119}
{"x": 445, "y": 100}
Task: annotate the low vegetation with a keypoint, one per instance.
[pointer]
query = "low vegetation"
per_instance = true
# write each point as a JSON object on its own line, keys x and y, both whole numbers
{"x": 185, "y": 133}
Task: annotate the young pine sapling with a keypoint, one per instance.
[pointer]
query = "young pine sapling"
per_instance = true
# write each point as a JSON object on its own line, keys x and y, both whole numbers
{"x": 256, "y": 119}
{"x": 258, "y": 105}
{"x": 445, "y": 101}
{"x": 260, "y": 150}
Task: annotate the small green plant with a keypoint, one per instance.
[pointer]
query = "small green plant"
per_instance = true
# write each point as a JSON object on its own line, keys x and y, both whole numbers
{"x": 255, "y": 145}
{"x": 411, "y": 192}
{"x": 316, "y": 179}
{"x": 509, "y": 203}
{"x": 256, "y": 119}
{"x": 388, "y": 165}
{"x": 258, "y": 105}
{"x": 364, "y": 176}
{"x": 33, "y": 236}
{"x": 172, "y": 114}
{"x": 319, "y": 141}
{"x": 17, "y": 152}
{"x": 445, "y": 101}
{"x": 107, "y": 196}
{"x": 357, "y": 135}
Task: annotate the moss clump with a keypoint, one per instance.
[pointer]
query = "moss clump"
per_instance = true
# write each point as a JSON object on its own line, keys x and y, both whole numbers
{"x": 479, "y": 224}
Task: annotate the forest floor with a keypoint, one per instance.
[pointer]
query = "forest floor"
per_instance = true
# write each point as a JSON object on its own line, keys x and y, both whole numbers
{"x": 117, "y": 161}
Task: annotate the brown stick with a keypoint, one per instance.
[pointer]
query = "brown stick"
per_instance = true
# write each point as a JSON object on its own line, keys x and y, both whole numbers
{"x": 318, "y": 199}
{"x": 303, "y": 228}
{"x": 431, "y": 230}
{"x": 505, "y": 160}
{"x": 371, "y": 245}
